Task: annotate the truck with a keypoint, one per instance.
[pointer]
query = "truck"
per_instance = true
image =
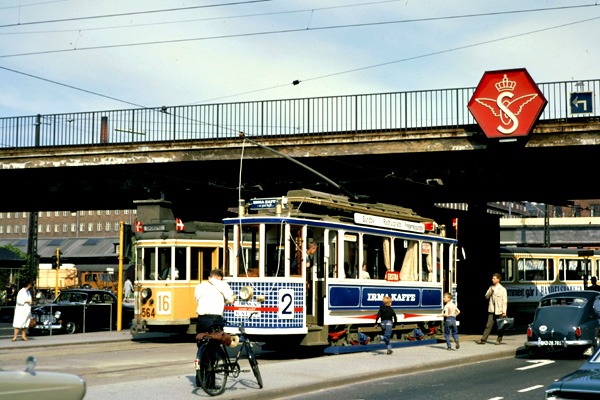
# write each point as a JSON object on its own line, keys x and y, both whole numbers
{"x": 68, "y": 278}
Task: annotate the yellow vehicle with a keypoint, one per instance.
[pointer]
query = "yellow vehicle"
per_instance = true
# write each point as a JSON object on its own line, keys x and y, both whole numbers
{"x": 171, "y": 260}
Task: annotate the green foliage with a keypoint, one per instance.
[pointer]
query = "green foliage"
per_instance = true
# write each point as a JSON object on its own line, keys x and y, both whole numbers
{"x": 22, "y": 274}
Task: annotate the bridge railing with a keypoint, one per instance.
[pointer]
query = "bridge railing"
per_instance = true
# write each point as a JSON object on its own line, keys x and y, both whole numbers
{"x": 399, "y": 111}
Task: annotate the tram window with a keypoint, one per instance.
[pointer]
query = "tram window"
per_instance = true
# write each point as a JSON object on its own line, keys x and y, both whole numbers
{"x": 426, "y": 262}
{"x": 533, "y": 269}
{"x": 164, "y": 262}
{"x": 295, "y": 250}
{"x": 333, "y": 254}
{"x": 507, "y": 268}
{"x": 149, "y": 263}
{"x": 180, "y": 263}
{"x": 248, "y": 259}
{"x": 351, "y": 256}
{"x": 275, "y": 257}
{"x": 570, "y": 270}
{"x": 407, "y": 258}
{"x": 377, "y": 256}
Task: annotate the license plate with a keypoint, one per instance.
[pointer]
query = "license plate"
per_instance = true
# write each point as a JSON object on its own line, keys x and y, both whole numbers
{"x": 551, "y": 343}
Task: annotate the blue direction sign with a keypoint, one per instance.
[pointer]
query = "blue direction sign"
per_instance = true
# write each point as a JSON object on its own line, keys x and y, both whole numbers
{"x": 581, "y": 103}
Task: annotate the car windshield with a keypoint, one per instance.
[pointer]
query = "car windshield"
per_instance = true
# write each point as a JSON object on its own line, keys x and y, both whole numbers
{"x": 563, "y": 301}
{"x": 67, "y": 297}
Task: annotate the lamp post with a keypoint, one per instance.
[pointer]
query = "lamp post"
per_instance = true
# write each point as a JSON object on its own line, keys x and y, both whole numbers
{"x": 586, "y": 254}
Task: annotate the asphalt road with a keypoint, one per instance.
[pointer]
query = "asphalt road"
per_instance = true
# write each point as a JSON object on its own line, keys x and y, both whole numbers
{"x": 507, "y": 379}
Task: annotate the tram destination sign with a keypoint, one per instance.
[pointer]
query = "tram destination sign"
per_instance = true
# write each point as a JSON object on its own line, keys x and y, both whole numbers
{"x": 389, "y": 223}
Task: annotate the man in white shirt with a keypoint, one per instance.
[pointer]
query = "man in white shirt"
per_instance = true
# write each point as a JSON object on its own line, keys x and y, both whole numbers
{"x": 211, "y": 297}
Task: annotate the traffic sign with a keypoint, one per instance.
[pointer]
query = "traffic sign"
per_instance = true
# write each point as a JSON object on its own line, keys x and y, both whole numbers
{"x": 581, "y": 103}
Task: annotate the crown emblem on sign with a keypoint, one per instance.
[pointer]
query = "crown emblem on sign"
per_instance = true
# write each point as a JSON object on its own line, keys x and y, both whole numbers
{"x": 506, "y": 85}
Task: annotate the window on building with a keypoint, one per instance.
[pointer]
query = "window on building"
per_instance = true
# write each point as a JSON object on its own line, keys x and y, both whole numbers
{"x": 577, "y": 211}
{"x": 17, "y": 214}
{"x": 8, "y": 215}
{"x": 107, "y": 226}
{"x": 48, "y": 214}
{"x": 8, "y": 229}
{"x": 595, "y": 210}
{"x": 107, "y": 212}
{"x": 56, "y": 230}
{"x": 57, "y": 213}
{"x": 558, "y": 211}
{"x": 65, "y": 213}
{"x": 90, "y": 212}
{"x": 40, "y": 228}
{"x": 90, "y": 226}
{"x": 82, "y": 227}
{"x": 24, "y": 228}
{"x": 99, "y": 212}
{"x": 16, "y": 228}
{"x": 117, "y": 212}
{"x": 126, "y": 212}
{"x": 1, "y": 215}
{"x": 48, "y": 229}
{"x": 82, "y": 213}
{"x": 117, "y": 226}
{"x": 65, "y": 228}
{"x": 1, "y": 228}
{"x": 99, "y": 227}
{"x": 73, "y": 227}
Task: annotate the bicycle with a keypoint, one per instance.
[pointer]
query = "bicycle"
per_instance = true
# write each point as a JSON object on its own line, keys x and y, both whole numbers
{"x": 213, "y": 364}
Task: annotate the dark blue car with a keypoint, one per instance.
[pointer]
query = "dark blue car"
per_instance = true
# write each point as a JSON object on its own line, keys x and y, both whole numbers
{"x": 581, "y": 384}
{"x": 566, "y": 320}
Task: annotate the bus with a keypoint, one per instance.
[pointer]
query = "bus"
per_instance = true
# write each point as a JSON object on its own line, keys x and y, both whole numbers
{"x": 530, "y": 273}
{"x": 363, "y": 253}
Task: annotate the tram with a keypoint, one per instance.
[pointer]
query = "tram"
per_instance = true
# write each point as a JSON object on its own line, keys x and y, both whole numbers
{"x": 171, "y": 259}
{"x": 363, "y": 252}
{"x": 531, "y": 273}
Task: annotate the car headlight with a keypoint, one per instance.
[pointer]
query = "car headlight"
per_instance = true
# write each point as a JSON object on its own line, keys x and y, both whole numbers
{"x": 246, "y": 293}
{"x": 57, "y": 314}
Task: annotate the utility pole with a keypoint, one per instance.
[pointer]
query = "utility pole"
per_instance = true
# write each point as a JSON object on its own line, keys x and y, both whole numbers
{"x": 32, "y": 235}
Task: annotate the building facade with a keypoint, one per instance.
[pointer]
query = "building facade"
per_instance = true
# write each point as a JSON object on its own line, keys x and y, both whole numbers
{"x": 66, "y": 224}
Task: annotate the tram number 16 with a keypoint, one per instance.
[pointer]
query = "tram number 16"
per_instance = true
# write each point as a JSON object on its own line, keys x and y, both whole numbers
{"x": 164, "y": 303}
{"x": 285, "y": 309}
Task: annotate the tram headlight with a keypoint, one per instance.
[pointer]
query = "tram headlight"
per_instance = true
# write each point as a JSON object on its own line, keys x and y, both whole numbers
{"x": 246, "y": 293}
{"x": 146, "y": 294}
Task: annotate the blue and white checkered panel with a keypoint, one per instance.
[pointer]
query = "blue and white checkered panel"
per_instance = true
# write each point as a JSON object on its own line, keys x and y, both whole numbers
{"x": 283, "y": 306}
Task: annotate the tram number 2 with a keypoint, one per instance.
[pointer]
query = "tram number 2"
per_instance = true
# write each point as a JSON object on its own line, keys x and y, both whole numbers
{"x": 285, "y": 309}
{"x": 163, "y": 303}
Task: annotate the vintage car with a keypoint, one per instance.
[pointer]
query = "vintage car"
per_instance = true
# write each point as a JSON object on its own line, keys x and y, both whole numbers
{"x": 581, "y": 384}
{"x": 36, "y": 385}
{"x": 566, "y": 320}
{"x": 80, "y": 310}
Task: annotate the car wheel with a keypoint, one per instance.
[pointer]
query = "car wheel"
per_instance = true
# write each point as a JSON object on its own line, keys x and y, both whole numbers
{"x": 71, "y": 327}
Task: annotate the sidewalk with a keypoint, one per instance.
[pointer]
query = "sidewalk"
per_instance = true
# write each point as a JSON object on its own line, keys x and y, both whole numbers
{"x": 288, "y": 378}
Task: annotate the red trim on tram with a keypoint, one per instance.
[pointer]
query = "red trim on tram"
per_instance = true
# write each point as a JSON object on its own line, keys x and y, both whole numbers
{"x": 261, "y": 309}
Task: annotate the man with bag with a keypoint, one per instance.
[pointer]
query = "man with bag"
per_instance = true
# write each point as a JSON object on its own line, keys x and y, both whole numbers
{"x": 211, "y": 297}
{"x": 498, "y": 301}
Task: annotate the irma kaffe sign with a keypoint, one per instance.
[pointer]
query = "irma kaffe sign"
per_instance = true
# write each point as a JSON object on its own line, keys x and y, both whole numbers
{"x": 507, "y": 103}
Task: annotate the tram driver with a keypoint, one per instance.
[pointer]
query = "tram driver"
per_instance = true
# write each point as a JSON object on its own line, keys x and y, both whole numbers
{"x": 295, "y": 268}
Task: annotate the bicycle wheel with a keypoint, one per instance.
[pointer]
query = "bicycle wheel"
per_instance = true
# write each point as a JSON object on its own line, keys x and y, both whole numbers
{"x": 212, "y": 375}
{"x": 254, "y": 364}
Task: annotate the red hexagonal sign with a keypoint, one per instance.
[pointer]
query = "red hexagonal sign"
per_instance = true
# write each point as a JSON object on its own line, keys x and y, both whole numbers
{"x": 507, "y": 103}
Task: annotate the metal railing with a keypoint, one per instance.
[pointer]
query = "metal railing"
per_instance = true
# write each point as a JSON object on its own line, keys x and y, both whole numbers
{"x": 305, "y": 117}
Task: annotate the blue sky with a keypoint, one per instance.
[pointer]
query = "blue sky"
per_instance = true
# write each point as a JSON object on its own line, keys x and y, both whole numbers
{"x": 102, "y": 55}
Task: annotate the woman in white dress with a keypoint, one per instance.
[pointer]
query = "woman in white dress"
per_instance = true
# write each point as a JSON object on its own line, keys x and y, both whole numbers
{"x": 22, "y": 311}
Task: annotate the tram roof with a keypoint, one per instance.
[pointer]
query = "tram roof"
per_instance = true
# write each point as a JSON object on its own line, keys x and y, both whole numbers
{"x": 298, "y": 199}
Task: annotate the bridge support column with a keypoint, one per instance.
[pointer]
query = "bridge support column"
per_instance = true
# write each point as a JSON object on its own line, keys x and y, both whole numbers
{"x": 479, "y": 236}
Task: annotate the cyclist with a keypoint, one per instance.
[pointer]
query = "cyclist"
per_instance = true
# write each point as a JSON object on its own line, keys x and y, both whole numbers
{"x": 211, "y": 297}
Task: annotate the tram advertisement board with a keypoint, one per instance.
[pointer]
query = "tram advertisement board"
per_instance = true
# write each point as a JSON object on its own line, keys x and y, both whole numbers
{"x": 507, "y": 103}
{"x": 534, "y": 292}
{"x": 389, "y": 223}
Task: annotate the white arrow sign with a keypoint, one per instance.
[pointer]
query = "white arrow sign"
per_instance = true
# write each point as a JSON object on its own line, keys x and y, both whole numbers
{"x": 536, "y": 363}
{"x": 576, "y": 102}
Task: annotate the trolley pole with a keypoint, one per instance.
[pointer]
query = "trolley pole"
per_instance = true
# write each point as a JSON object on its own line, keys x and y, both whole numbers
{"x": 120, "y": 289}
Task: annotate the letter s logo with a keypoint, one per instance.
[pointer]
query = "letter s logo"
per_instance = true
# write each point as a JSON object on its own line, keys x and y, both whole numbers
{"x": 507, "y": 112}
